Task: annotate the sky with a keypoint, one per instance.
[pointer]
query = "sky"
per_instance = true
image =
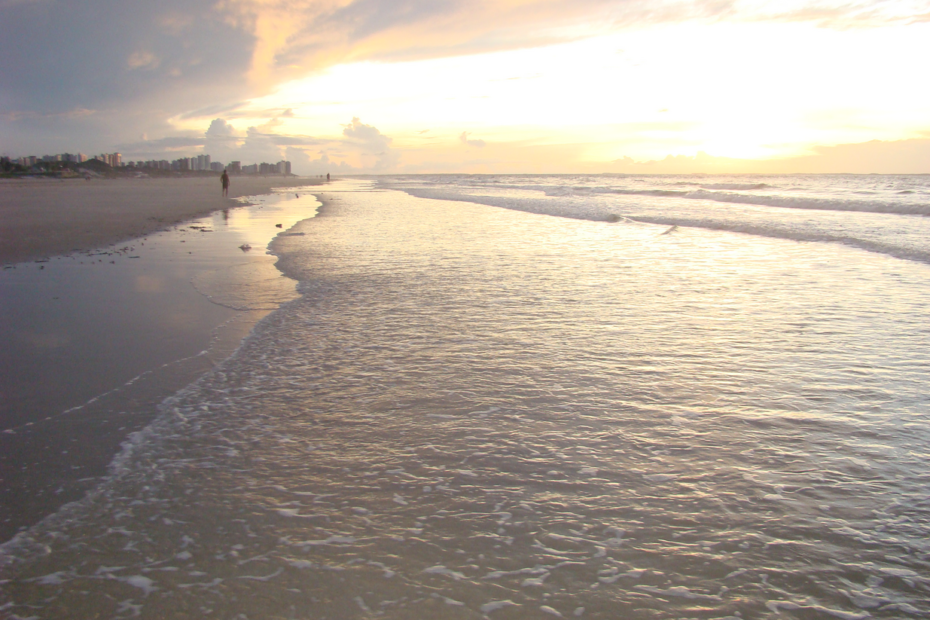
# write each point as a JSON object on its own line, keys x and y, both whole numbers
{"x": 497, "y": 86}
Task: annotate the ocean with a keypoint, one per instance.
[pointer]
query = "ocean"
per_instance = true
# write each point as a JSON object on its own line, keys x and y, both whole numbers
{"x": 540, "y": 396}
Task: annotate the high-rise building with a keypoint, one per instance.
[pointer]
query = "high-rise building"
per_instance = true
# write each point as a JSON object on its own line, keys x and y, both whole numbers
{"x": 201, "y": 162}
{"x": 234, "y": 167}
{"x": 287, "y": 168}
{"x": 216, "y": 166}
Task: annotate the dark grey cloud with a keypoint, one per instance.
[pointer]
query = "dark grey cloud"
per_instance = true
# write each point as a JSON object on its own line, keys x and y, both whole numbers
{"x": 130, "y": 65}
{"x": 59, "y": 54}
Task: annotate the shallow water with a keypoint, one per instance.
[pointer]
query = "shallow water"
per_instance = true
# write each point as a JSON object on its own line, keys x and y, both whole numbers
{"x": 94, "y": 340}
{"x": 888, "y": 214}
{"x": 477, "y": 412}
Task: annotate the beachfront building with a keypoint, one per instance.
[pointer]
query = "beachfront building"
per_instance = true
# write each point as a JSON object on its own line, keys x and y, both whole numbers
{"x": 201, "y": 162}
{"x": 114, "y": 160}
{"x": 282, "y": 167}
{"x": 198, "y": 163}
{"x": 152, "y": 164}
{"x": 32, "y": 160}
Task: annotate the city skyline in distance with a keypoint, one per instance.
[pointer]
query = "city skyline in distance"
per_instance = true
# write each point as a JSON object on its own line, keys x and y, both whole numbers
{"x": 196, "y": 163}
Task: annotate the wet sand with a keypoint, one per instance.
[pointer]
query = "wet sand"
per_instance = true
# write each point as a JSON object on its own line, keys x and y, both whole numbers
{"x": 42, "y": 218}
{"x": 96, "y": 339}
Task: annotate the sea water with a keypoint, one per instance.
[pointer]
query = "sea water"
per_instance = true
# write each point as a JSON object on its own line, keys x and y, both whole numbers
{"x": 534, "y": 397}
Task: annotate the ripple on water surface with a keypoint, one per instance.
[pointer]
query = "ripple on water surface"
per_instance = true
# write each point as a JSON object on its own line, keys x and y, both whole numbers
{"x": 476, "y": 412}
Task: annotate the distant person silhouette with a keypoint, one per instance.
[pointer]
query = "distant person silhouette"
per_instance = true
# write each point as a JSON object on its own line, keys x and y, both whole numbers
{"x": 327, "y": 176}
{"x": 225, "y": 181}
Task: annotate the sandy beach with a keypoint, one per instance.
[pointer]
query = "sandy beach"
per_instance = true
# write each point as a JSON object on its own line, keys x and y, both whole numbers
{"x": 41, "y": 218}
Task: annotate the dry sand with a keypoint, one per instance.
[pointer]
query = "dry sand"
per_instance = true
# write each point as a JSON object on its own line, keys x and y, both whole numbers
{"x": 40, "y": 218}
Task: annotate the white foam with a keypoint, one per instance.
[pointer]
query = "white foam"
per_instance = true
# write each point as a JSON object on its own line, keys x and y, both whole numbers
{"x": 442, "y": 570}
{"x": 496, "y": 605}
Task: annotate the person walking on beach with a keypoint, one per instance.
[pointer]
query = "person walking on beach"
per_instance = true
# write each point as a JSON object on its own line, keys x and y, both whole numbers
{"x": 225, "y": 181}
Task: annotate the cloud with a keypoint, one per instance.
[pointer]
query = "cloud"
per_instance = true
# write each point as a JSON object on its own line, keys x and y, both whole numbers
{"x": 841, "y": 14}
{"x": 219, "y": 129}
{"x": 129, "y": 62}
{"x": 213, "y": 110}
{"x": 463, "y": 138}
{"x": 32, "y": 114}
{"x": 61, "y": 53}
{"x": 876, "y": 156}
{"x": 222, "y": 141}
{"x": 163, "y": 144}
{"x": 362, "y": 148}
{"x": 225, "y": 143}
{"x": 140, "y": 64}
{"x": 302, "y": 163}
{"x": 371, "y": 143}
{"x": 143, "y": 60}
{"x": 283, "y": 140}
{"x": 367, "y": 135}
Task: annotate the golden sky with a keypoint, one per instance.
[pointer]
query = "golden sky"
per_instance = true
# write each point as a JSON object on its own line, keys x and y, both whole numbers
{"x": 511, "y": 86}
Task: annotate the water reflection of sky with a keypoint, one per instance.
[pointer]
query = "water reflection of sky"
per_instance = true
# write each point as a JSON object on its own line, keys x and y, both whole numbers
{"x": 82, "y": 324}
{"x": 95, "y": 340}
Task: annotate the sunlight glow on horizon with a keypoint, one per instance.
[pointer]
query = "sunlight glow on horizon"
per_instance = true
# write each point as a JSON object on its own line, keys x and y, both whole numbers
{"x": 742, "y": 90}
